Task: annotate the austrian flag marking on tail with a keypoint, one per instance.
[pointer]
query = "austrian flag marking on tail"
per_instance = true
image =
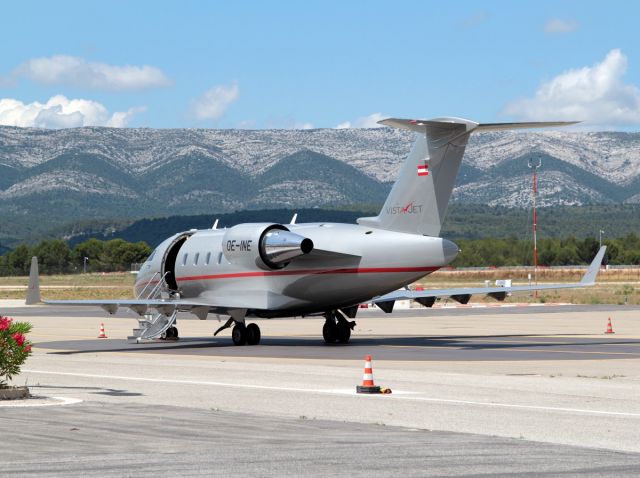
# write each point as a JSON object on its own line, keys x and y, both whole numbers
{"x": 423, "y": 169}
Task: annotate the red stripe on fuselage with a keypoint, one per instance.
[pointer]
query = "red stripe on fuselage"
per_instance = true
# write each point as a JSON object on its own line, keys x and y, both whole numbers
{"x": 365, "y": 270}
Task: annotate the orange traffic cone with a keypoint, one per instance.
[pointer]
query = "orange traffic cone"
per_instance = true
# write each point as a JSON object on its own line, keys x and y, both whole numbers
{"x": 102, "y": 334}
{"x": 367, "y": 379}
{"x": 609, "y": 327}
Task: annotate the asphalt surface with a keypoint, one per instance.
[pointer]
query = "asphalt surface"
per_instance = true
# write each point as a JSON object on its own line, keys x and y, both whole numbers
{"x": 452, "y": 348}
{"x": 103, "y": 439}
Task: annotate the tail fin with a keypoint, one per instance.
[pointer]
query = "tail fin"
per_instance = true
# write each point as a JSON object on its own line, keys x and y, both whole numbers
{"x": 418, "y": 200}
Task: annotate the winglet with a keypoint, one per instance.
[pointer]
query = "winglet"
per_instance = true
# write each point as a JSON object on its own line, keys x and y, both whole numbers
{"x": 33, "y": 292}
{"x": 294, "y": 218}
{"x": 589, "y": 277}
{"x": 215, "y": 224}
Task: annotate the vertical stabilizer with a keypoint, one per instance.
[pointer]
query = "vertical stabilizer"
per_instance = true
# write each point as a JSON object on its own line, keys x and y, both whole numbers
{"x": 418, "y": 201}
{"x": 33, "y": 292}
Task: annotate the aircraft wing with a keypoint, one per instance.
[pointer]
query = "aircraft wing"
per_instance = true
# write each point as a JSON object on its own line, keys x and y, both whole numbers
{"x": 462, "y": 295}
{"x": 141, "y": 306}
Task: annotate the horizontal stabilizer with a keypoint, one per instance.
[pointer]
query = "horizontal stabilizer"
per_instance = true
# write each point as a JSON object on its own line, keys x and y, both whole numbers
{"x": 419, "y": 126}
{"x": 535, "y": 124}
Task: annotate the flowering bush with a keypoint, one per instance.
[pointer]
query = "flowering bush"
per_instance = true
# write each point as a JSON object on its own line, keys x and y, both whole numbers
{"x": 14, "y": 348}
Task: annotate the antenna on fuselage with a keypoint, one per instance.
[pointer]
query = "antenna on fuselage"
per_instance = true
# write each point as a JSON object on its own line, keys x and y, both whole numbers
{"x": 215, "y": 224}
{"x": 293, "y": 219}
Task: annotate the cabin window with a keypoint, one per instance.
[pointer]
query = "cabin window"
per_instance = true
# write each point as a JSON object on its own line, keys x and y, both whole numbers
{"x": 195, "y": 261}
{"x": 184, "y": 259}
{"x": 208, "y": 260}
{"x": 220, "y": 258}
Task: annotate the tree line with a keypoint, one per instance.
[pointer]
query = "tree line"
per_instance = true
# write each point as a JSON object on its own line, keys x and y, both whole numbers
{"x": 551, "y": 252}
{"x": 56, "y": 257}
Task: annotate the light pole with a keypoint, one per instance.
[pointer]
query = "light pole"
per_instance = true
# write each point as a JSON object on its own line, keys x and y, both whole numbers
{"x": 601, "y": 233}
{"x": 534, "y": 167}
{"x": 84, "y": 264}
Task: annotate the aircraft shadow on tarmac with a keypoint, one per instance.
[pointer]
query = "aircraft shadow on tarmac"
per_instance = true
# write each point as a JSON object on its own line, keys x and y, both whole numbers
{"x": 97, "y": 390}
{"x": 499, "y": 347}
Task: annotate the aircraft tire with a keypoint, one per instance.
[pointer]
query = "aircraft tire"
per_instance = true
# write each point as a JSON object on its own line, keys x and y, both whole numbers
{"x": 343, "y": 333}
{"x": 239, "y": 334}
{"x": 253, "y": 334}
{"x": 172, "y": 333}
{"x": 330, "y": 332}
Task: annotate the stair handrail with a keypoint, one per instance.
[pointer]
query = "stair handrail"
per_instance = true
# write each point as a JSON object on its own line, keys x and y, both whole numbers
{"x": 157, "y": 288}
{"x": 149, "y": 282}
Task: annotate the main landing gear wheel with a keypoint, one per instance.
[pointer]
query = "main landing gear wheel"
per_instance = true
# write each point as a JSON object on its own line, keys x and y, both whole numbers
{"x": 330, "y": 331}
{"x": 239, "y": 334}
{"x": 253, "y": 334}
{"x": 344, "y": 332}
{"x": 337, "y": 328}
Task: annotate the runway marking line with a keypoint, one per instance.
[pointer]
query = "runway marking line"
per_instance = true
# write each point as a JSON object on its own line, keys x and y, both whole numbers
{"x": 399, "y": 395}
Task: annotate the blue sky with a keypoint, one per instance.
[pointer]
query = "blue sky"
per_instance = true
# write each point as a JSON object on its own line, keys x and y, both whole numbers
{"x": 317, "y": 64}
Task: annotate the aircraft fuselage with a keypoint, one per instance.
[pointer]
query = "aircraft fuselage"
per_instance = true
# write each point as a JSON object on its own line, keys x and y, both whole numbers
{"x": 349, "y": 264}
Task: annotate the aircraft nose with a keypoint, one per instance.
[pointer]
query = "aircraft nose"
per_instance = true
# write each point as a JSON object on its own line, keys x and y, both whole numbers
{"x": 449, "y": 250}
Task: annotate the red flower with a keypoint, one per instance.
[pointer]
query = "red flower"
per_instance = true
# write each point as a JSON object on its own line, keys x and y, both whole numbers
{"x": 5, "y": 323}
{"x": 27, "y": 348}
{"x": 19, "y": 338}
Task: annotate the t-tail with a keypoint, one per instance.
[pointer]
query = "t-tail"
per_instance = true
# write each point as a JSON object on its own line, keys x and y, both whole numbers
{"x": 418, "y": 201}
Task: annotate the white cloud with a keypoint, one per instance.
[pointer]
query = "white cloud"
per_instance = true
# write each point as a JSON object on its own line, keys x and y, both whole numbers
{"x": 214, "y": 102}
{"x": 61, "y": 112}
{"x": 594, "y": 94}
{"x": 370, "y": 121}
{"x": 78, "y": 72}
{"x": 557, "y": 25}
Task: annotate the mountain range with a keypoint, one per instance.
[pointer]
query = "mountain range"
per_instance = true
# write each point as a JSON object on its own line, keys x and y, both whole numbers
{"x": 50, "y": 178}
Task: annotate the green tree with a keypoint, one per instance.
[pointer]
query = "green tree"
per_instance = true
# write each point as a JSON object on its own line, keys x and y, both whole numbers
{"x": 19, "y": 260}
{"x": 53, "y": 256}
{"x": 93, "y": 250}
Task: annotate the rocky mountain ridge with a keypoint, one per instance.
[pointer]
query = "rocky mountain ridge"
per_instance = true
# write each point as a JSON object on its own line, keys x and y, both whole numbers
{"x": 57, "y": 176}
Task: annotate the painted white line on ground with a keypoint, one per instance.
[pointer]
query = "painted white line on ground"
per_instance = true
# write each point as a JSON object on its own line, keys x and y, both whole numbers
{"x": 30, "y": 403}
{"x": 399, "y": 395}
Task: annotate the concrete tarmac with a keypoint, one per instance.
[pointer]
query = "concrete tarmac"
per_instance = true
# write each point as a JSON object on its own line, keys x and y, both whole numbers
{"x": 99, "y": 439}
{"x": 543, "y": 392}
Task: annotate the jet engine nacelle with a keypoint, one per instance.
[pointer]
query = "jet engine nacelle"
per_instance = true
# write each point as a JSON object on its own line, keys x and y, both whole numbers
{"x": 266, "y": 245}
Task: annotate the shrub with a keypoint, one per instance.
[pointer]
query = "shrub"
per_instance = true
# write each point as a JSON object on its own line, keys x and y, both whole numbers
{"x": 14, "y": 348}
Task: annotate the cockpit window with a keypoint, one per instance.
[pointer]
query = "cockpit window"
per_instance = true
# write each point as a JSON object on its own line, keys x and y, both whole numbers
{"x": 184, "y": 259}
{"x": 153, "y": 254}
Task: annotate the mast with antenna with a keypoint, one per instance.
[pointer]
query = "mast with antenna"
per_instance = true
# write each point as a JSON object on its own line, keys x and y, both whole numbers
{"x": 534, "y": 165}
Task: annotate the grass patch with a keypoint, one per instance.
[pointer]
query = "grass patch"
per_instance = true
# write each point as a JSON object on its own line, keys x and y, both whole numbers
{"x": 614, "y": 286}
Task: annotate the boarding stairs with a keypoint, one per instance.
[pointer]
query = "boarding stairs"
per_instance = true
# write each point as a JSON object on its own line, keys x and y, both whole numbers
{"x": 154, "y": 325}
